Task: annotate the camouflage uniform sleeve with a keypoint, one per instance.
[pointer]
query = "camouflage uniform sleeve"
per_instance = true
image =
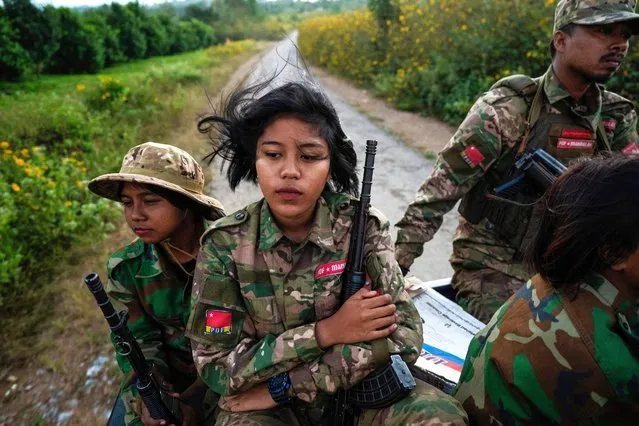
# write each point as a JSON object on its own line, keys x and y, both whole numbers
{"x": 495, "y": 120}
{"x": 343, "y": 366}
{"x": 482, "y": 380}
{"x": 233, "y": 360}
{"x": 626, "y": 133}
{"x": 121, "y": 290}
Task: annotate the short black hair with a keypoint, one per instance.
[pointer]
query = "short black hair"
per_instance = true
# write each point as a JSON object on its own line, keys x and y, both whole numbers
{"x": 587, "y": 220}
{"x": 568, "y": 29}
{"x": 247, "y": 112}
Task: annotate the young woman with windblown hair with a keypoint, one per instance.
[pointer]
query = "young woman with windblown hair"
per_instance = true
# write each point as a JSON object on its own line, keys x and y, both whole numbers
{"x": 268, "y": 278}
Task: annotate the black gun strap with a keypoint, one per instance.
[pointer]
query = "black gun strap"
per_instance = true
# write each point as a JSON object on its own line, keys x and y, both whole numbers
{"x": 601, "y": 132}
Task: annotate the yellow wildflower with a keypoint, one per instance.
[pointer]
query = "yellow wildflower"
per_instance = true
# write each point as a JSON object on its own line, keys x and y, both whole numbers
{"x": 83, "y": 169}
{"x": 38, "y": 171}
{"x": 68, "y": 203}
{"x": 15, "y": 187}
{"x": 24, "y": 152}
{"x": 79, "y": 184}
{"x": 51, "y": 183}
{"x": 4, "y": 144}
{"x": 8, "y": 152}
{"x": 19, "y": 161}
{"x": 80, "y": 87}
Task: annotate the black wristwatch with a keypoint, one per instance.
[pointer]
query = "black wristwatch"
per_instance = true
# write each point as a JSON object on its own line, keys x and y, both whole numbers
{"x": 280, "y": 387}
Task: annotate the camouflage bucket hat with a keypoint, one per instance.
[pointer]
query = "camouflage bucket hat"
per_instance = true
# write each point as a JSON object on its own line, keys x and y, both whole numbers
{"x": 161, "y": 165}
{"x": 594, "y": 12}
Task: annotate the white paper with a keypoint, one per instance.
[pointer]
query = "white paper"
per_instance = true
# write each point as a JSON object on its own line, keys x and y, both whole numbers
{"x": 448, "y": 330}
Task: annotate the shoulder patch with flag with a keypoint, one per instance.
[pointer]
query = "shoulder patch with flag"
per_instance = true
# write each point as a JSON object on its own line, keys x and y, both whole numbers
{"x": 218, "y": 322}
{"x": 472, "y": 156}
{"x": 631, "y": 149}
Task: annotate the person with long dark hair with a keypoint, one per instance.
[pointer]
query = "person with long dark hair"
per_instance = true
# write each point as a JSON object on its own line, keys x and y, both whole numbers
{"x": 268, "y": 332}
{"x": 564, "y": 350}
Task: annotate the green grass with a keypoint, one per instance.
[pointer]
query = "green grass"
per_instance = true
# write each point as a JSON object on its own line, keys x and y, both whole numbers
{"x": 53, "y": 83}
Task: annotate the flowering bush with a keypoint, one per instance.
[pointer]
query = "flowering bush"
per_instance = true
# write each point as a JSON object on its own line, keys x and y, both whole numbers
{"x": 45, "y": 207}
{"x": 437, "y": 56}
{"x": 109, "y": 94}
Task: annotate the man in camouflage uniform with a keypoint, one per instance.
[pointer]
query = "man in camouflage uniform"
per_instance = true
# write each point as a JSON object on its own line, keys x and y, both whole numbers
{"x": 144, "y": 283}
{"x": 566, "y": 112}
{"x": 551, "y": 359}
{"x": 258, "y": 296}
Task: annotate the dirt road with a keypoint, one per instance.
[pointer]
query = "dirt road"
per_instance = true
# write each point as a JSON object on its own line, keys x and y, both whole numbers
{"x": 399, "y": 167}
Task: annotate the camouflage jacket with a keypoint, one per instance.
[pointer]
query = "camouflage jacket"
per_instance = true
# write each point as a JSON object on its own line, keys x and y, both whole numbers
{"x": 493, "y": 130}
{"x": 552, "y": 357}
{"x": 158, "y": 304}
{"x": 257, "y": 297}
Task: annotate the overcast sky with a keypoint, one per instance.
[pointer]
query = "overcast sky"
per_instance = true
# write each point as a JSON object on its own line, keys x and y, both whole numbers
{"x": 75, "y": 3}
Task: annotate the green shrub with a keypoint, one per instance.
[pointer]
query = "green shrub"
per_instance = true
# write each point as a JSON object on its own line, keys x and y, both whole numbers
{"x": 45, "y": 208}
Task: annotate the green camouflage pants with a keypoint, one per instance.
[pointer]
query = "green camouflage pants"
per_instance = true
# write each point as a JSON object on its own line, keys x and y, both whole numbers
{"x": 426, "y": 405}
{"x": 481, "y": 292}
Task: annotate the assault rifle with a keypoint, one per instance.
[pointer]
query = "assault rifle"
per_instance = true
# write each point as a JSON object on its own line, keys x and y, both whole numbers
{"x": 392, "y": 381}
{"x": 126, "y": 345}
{"x": 536, "y": 167}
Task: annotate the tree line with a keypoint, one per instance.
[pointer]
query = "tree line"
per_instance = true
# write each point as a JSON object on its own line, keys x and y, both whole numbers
{"x": 35, "y": 40}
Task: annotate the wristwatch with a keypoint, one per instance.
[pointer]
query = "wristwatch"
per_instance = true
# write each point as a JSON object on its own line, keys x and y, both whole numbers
{"x": 280, "y": 388}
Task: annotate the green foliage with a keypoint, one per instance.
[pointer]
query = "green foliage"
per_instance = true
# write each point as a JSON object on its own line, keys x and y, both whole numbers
{"x": 15, "y": 62}
{"x": 81, "y": 46}
{"x": 38, "y": 30}
{"x": 130, "y": 35}
{"x": 158, "y": 42}
{"x": 35, "y": 39}
{"x": 49, "y": 203}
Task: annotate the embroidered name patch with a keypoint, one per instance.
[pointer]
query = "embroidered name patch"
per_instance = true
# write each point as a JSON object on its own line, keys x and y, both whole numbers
{"x": 576, "y": 134}
{"x": 575, "y": 143}
{"x": 332, "y": 268}
{"x": 218, "y": 322}
{"x": 472, "y": 156}
{"x": 631, "y": 149}
{"x": 610, "y": 125}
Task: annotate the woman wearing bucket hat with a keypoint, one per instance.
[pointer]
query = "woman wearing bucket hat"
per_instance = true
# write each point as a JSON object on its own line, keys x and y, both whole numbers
{"x": 160, "y": 187}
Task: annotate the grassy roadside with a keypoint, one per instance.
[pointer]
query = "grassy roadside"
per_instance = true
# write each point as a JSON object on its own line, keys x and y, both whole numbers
{"x": 54, "y": 336}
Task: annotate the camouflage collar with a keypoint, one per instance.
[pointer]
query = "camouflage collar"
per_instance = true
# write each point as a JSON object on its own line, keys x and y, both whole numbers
{"x": 321, "y": 231}
{"x": 591, "y": 102}
{"x": 151, "y": 265}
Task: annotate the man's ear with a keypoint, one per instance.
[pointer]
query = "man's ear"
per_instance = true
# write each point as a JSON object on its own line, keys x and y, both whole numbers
{"x": 620, "y": 267}
{"x": 559, "y": 40}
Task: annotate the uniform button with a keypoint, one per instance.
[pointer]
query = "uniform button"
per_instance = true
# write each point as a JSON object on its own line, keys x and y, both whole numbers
{"x": 240, "y": 215}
